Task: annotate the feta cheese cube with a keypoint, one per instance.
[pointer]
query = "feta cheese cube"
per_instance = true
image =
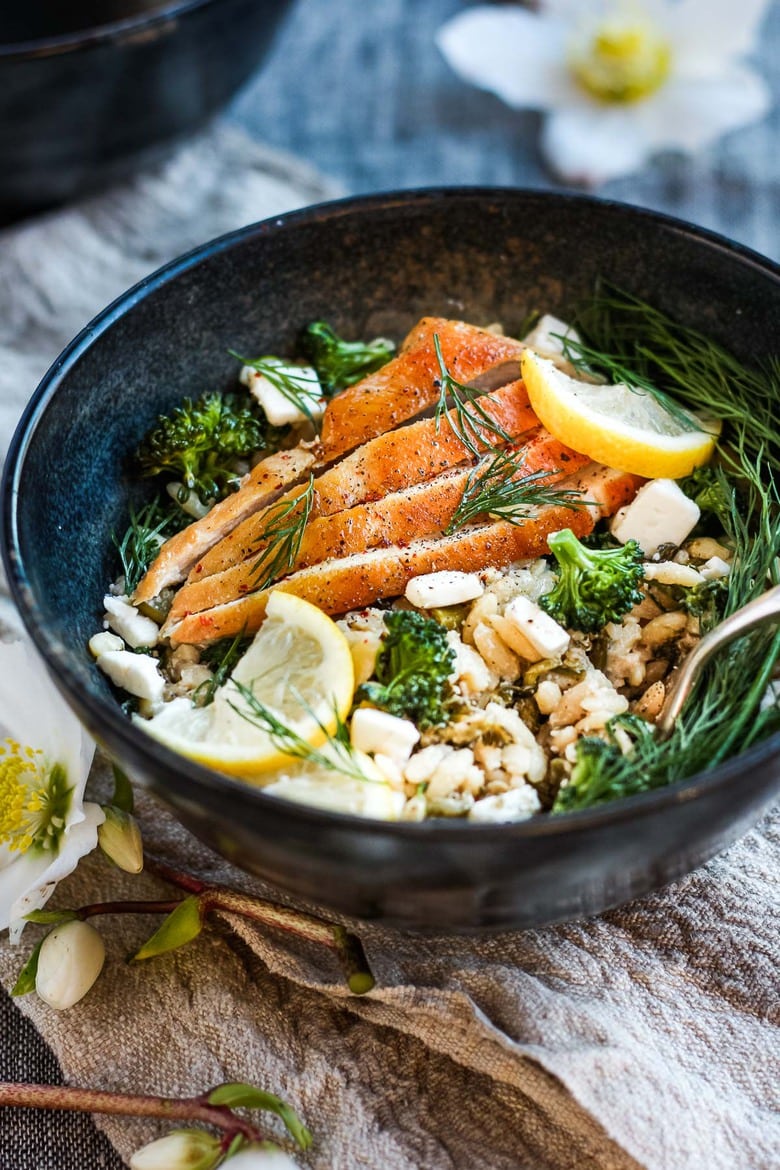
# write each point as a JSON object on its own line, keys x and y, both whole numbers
{"x": 714, "y": 568}
{"x": 660, "y": 513}
{"x": 518, "y": 804}
{"x": 136, "y": 673}
{"x": 379, "y": 731}
{"x": 547, "y": 638}
{"x": 103, "y": 642}
{"x": 279, "y": 409}
{"x": 546, "y": 340}
{"x": 131, "y": 625}
{"x": 448, "y": 587}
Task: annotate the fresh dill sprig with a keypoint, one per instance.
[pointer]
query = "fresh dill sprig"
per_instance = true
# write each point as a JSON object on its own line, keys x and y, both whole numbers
{"x": 302, "y": 389}
{"x": 335, "y": 755}
{"x": 626, "y": 337}
{"x": 460, "y": 406}
{"x": 282, "y": 533}
{"x": 493, "y": 488}
{"x": 221, "y": 656}
{"x": 143, "y": 537}
{"x": 729, "y": 710}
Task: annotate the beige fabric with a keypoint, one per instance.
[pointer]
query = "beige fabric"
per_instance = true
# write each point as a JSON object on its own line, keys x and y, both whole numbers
{"x": 644, "y": 1038}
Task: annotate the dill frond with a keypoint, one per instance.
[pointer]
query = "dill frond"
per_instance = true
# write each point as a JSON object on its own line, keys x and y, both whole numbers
{"x": 283, "y": 533}
{"x": 335, "y": 755}
{"x": 460, "y": 406}
{"x": 496, "y": 487}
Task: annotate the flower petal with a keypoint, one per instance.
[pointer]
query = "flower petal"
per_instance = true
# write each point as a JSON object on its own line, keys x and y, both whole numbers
{"x": 591, "y": 145}
{"x": 33, "y": 712}
{"x": 688, "y": 115}
{"x": 518, "y": 55}
{"x": 30, "y": 881}
{"x": 708, "y": 33}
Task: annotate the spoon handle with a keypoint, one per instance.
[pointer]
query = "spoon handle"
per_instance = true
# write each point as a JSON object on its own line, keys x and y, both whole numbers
{"x": 763, "y": 609}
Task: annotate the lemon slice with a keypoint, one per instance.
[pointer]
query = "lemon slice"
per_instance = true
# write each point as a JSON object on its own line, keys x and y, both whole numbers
{"x": 620, "y": 426}
{"x": 320, "y": 787}
{"x": 299, "y": 666}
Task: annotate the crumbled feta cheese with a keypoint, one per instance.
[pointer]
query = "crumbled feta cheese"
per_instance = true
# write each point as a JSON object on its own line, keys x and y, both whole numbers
{"x": 518, "y": 804}
{"x": 379, "y": 731}
{"x": 547, "y": 638}
{"x": 279, "y": 409}
{"x": 714, "y": 568}
{"x": 670, "y": 573}
{"x": 103, "y": 642}
{"x": 131, "y": 625}
{"x": 470, "y": 671}
{"x": 136, "y": 673}
{"x": 660, "y": 513}
{"x": 546, "y": 339}
{"x": 448, "y": 587}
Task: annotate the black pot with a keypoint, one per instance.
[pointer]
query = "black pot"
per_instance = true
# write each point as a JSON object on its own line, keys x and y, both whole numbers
{"x": 371, "y": 265}
{"x": 89, "y": 90}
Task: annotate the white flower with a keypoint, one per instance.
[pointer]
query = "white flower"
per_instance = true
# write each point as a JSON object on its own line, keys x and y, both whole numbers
{"x": 70, "y": 959}
{"x": 183, "y": 1149}
{"x": 45, "y": 756}
{"x": 620, "y": 79}
{"x": 256, "y": 1158}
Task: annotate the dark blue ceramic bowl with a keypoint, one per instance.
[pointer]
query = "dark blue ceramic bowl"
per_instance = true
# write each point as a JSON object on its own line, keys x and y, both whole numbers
{"x": 372, "y": 265}
{"x": 91, "y": 88}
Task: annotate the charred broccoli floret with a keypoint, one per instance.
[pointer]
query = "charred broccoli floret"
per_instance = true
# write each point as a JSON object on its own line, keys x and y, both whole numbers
{"x": 199, "y": 443}
{"x": 413, "y": 666}
{"x": 595, "y": 585}
{"x": 341, "y": 363}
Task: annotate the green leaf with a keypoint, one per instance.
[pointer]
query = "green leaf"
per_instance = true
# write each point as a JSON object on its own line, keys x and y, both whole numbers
{"x": 181, "y": 926}
{"x": 26, "y": 981}
{"x": 241, "y": 1095}
{"x": 50, "y": 917}
{"x": 123, "y": 790}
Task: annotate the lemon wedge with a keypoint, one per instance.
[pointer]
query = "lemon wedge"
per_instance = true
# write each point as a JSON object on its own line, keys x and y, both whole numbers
{"x": 299, "y": 667}
{"x": 623, "y": 427}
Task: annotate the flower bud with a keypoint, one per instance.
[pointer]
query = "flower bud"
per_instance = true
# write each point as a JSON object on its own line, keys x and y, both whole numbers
{"x": 259, "y": 1158}
{"x": 70, "y": 959}
{"x": 120, "y": 839}
{"x": 183, "y": 1149}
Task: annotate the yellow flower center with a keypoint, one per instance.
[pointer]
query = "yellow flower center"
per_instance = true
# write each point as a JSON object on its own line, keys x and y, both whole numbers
{"x": 622, "y": 60}
{"x": 34, "y": 799}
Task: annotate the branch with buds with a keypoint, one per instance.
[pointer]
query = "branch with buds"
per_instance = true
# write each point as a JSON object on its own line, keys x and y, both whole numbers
{"x": 67, "y": 961}
{"x": 240, "y": 1142}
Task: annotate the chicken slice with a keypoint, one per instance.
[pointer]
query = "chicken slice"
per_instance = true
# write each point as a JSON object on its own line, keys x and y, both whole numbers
{"x": 260, "y": 487}
{"x": 409, "y": 383}
{"x": 353, "y": 582}
{"x": 388, "y": 463}
{"x": 397, "y": 519}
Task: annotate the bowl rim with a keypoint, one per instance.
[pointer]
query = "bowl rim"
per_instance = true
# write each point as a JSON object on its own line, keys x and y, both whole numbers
{"x": 182, "y": 773}
{"x": 98, "y": 34}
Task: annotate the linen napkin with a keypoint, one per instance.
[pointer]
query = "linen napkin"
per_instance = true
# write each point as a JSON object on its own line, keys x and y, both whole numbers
{"x": 646, "y": 1037}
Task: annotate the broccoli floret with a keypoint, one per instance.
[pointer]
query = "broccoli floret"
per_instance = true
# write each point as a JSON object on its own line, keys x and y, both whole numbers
{"x": 603, "y": 771}
{"x": 341, "y": 363}
{"x": 709, "y": 487}
{"x": 594, "y": 586}
{"x": 199, "y": 443}
{"x": 706, "y": 601}
{"x": 411, "y": 676}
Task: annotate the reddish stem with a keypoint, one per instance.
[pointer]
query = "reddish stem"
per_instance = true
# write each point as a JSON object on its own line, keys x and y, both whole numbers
{"x": 128, "y": 1105}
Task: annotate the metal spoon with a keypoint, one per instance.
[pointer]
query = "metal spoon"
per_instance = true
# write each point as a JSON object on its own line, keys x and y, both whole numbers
{"x": 764, "y": 609}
